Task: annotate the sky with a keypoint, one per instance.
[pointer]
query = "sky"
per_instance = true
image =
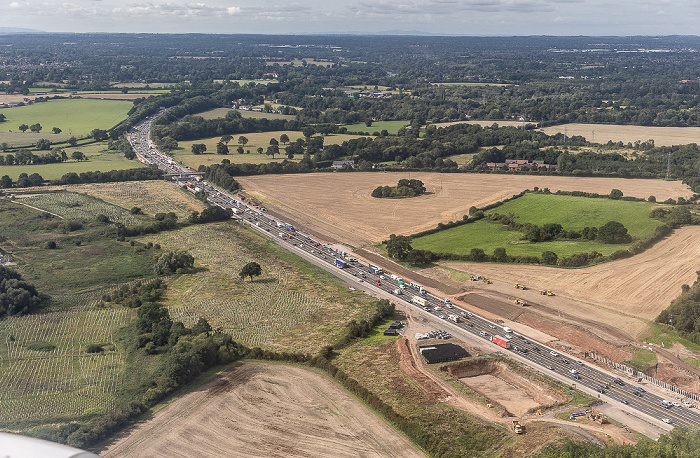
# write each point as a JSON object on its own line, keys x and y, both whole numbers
{"x": 448, "y": 17}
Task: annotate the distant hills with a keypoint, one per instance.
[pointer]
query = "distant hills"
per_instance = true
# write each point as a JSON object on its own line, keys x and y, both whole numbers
{"x": 13, "y": 30}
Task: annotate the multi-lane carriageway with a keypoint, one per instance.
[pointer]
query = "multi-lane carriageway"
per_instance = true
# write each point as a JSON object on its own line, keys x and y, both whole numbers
{"x": 586, "y": 377}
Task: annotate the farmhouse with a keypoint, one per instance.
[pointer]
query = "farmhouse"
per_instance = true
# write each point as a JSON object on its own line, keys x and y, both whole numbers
{"x": 341, "y": 164}
{"x": 516, "y": 165}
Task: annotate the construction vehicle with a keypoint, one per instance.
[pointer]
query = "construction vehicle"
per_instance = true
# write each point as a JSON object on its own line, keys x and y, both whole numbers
{"x": 547, "y": 292}
{"x": 520, "y": 302}
{"x": 490, "y": 406}
{"x": 517, "y": 427}
{"x": 597, "y": 416}
{"x": 519, "y": 286}
{"x": 486, "y": 280}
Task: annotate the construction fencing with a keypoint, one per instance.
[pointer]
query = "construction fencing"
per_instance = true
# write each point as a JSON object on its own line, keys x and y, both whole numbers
{"x": 643, "y": 376}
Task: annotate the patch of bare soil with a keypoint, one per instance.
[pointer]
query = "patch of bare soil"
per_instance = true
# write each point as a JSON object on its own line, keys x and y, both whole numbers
{"x": 640, "y": 286}
{"x": 340, "y": 205}
{"x": 263, "y": 409}
{"x": 514, "y": 392}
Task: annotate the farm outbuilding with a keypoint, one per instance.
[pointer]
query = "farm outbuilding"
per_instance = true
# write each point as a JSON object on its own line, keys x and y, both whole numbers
{"x": 442, "y": 353}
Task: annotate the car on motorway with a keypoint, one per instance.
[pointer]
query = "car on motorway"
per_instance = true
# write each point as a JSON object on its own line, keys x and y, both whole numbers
{"x": 470, "y": 314}
{"x": 550, "y": 368}
{"x": 577, "y": 377}
{"x": 641, "y": 390}
{"x": 580, "y": 363}
{"x": 553, "y": 353}
{"x": 624, "y": 401}
{"x": 688, "y": 404}
{"x": 565, "y": 361}
{"x": 676, "y": 404}
{"x": 379, "y": 283}
{"x": 637, "y": 393}
{"x": 492, "y": 326}
{"x": 443, "y": 317}
{"x": 464, "y": 314}
{"x": 600, "y": 390}
{"x": 619, "y": 381}
{"x": 666, "y": 420}
{"x": 482, "y": 333}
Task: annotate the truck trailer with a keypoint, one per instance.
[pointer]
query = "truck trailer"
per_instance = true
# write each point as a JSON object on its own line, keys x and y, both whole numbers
{"x": 419, "y": 300}
{"x": 375, "y": 269}
{"x": 340, "y": 263}
{"x": 498, "y": 340}
{"x": 289, "y": 227}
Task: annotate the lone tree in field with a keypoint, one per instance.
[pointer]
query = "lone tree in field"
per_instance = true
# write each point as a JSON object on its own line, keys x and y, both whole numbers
{"x": 284, "y": 138}
{"x": 23, "y": 127}
{"x": 35, "y": 127}
{"x": 198, "y": 148}
{"x": 252, "y": 269}
{"x": 242, "y": 140}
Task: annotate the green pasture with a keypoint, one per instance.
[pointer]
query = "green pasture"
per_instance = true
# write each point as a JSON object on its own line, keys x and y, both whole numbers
{"x": 99, "y": 158}
{"x": 573, "y": 213}
{"x": 73, "y": 116}
{"x": 255, "y": 140}
{"x": 391, "y": 126}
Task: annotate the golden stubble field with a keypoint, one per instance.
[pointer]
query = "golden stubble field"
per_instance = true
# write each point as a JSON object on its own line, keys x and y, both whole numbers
{"x": 340, "y": 205}
{"x": 626, "y": 292}
{"x": 601, "y": 133}
{"x": 264, "y": 409}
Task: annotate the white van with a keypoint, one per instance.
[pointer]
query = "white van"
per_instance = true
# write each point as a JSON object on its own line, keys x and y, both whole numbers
{"x": 507, "y": 330}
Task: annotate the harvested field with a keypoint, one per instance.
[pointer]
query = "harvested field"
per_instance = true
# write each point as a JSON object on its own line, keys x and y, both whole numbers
{"x": 338, "y": 204}
{"x": 264, "y": 409}
{"x": 514, "y": 392}
{"x": 639, "y": 287}
{"x": 601, "y": 133}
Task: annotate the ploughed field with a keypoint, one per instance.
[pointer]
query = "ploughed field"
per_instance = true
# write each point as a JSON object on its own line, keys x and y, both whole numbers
{"x": 340, "y": 205}
{"x": 264, "y": 409}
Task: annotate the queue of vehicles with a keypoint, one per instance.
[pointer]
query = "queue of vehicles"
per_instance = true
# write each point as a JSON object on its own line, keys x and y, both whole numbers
{"x": 534, "y": 352}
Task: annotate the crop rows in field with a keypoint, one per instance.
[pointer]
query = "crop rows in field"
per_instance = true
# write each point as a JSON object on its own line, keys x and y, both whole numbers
{"x": 80, "y": 207}
{"x": 64, "y": 381}
{"x": 253, "y": 312}
{"x": 151, "y": 196}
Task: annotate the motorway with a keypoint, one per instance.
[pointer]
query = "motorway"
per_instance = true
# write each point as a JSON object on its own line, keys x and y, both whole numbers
{"x": 586, "y": 377}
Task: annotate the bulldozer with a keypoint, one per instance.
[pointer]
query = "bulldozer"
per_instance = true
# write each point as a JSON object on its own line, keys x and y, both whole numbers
{"x": 547, "y": 292}
{"x": 519, "y": 286}
{"x": 517, "y": 427}
{"x": 520, "y": 302}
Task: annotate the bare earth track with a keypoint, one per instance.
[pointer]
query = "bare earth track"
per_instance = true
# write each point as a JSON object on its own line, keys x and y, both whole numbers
{"x": 340, "y": 205}
{"x": 264, "y": 409}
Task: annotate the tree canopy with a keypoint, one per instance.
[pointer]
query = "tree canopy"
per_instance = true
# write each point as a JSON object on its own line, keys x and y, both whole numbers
{"x": 17, "y": 296}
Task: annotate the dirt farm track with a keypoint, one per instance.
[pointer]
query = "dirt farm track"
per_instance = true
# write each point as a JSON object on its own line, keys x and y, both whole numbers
{"x": 263, "y": 409}
{"x": 340, "y": 206}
